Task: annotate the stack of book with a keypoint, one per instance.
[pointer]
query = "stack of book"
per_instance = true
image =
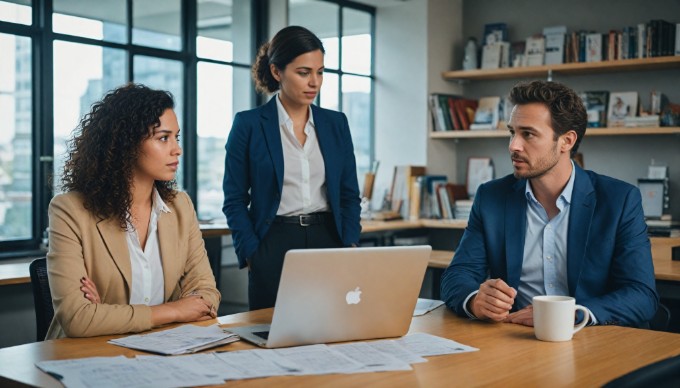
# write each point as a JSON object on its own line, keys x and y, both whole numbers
{"x": 665, "y": 227}
{"x": 463, "y": 209}
{"x": 641, "y": 121}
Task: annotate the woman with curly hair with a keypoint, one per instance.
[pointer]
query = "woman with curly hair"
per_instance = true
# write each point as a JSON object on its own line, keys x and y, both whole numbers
{"x": 290, "y": 179}
{"x": 125, "y": 250}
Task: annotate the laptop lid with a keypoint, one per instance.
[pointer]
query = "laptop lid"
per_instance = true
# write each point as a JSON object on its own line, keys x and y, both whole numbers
{"x": 344, "y": 294}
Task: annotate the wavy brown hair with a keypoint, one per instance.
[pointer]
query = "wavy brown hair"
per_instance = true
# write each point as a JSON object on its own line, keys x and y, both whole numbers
{"x": 105, "y": 148}
{"x": 567, "y": 111}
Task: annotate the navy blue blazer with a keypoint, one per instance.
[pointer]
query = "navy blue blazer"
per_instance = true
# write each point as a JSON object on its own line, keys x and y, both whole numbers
{"x": 609, "y": 262}
{"x": 253, "y": 175}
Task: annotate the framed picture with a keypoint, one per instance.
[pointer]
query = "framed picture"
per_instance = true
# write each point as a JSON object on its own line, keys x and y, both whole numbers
{"x": 621, "y": 105}
{"x": 479, "y": 170}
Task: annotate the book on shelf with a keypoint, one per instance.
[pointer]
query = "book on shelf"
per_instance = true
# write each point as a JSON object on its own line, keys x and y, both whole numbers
{"x": 642, "y": 121}
{"x": 447, "y": 194}
{"x": 535, "y": 50}
{"x": 596, "y": 107}
{"x": 495, "y": 32}
{"x": 594, "y": 47}
{"x": 517, "y": 58}
{"x": 554, "y": 44}
{"x": 400, "y": 191}
{"x": 429, "y": 207}
{"x": 496, "y": 55}
{"x": 487, "y": 114}
{"x": 641, "y": 40}
{"x": 621, "y": 105}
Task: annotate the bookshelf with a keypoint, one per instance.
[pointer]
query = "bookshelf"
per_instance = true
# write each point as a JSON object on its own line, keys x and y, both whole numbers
{"x": 623, "y": 153}
{"x": 499, "y": 133}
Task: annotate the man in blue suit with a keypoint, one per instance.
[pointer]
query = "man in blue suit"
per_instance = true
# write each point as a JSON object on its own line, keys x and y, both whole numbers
{"x": 552, "y": 228}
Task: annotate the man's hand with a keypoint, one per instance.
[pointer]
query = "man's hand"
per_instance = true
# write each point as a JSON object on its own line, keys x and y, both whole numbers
{"x": 493, "y": 301}
{"x": 524, "y": 316}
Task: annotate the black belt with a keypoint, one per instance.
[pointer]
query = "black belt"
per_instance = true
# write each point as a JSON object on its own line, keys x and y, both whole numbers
{"x": 305, "y": 219}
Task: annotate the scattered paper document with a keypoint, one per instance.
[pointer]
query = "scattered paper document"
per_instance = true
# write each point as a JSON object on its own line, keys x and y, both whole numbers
{"x": 145, "y": 371}
{"x": 180, "y": 340}
{"x": 122, "y": 372}
{"x": 393, "y": 348}
{"x": 424, "y": 306}
{"x": 372, "y": 359}
{"x": 430, "y": 345}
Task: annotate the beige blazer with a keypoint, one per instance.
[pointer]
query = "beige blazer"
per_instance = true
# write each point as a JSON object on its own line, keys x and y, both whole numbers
{"x": 82, "y": 244}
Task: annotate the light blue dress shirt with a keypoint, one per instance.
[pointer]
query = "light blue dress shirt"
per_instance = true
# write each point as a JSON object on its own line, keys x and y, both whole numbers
{"x": 544, "y": 265}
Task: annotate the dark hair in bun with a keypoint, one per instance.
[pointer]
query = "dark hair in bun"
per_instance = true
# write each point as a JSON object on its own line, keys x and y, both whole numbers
{"x": 287, "y": 44}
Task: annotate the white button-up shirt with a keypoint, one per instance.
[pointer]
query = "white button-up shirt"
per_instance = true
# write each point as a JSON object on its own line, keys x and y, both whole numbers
{"x": 304, "y": 174}
{"x": 147, "y": 269}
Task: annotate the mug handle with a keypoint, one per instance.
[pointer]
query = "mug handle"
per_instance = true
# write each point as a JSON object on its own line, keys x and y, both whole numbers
{"x": 586, "y": 317}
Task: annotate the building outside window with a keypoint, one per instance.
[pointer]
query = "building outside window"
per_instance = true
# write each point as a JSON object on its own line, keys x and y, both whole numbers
{"x": 346, "y": 30}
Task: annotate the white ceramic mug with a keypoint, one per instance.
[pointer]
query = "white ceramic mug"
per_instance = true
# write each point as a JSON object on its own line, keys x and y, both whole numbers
{"x": 554, "y": 317}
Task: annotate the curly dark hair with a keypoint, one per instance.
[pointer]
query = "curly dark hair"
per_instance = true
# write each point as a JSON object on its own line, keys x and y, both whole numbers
{"x": 105, "y": 148}
{"x": 285, "y": 46}
{"x": 567, "y": 111}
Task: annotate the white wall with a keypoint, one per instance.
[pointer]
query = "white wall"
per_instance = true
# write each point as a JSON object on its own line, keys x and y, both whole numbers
{"x": 400, "y": 89}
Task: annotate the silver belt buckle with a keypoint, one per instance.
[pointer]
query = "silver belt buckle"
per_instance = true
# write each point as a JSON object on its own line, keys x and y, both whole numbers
{"x": 302, "y": 218}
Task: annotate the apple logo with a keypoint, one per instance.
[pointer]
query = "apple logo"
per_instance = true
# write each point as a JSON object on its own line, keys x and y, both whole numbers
{"x": 353, "y": 297}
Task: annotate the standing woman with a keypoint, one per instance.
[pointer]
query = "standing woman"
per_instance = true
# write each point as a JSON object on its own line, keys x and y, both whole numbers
{"x": 125, "y": 250}
{"x": 290, "y": 176}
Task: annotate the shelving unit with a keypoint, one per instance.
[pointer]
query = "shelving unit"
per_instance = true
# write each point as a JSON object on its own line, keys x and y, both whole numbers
{"x": 643, "y": 64}
{"x": 499, "y": 133}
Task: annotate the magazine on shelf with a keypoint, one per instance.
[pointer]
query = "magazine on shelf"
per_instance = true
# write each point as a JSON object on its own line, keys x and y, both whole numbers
{"x": 596, "y": 107}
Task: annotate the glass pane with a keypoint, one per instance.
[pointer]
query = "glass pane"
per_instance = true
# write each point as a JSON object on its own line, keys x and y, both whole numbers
{"x": 101, "y": 19}
{"x": 356, "y": 41}
{"x": 224, "y": 31}
{"x": 165, "y": 74}
{"x": 77, "y": 87}
{"x": 16, "y": 11}
{"x": 321, "y": 18}
{"x": 157, "y": 23}
{"x": 15, "y": 138}
{"x": 356, "y": 103}
{"x": 329, "y": 91}
{"x": 216, "y": 107}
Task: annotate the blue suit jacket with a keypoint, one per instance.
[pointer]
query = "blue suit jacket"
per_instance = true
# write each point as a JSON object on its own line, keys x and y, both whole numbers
{"x": 609, "y": 263}
{"x": 253, "y": 175}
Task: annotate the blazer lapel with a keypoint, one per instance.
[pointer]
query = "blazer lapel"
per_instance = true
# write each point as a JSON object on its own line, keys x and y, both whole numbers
{"x": 116, "y": 243}
{"x": 272, "y": 136}
{"x": 515, "y": 210}
{"x": 580, "y": 216}
{"x": 168, "y": 240}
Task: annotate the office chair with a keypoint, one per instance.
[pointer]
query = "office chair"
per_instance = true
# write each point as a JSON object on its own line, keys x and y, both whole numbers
{"x": 661, "y": 374}
{"x": 42, "y": 298}
{"x": 661, "y": 320}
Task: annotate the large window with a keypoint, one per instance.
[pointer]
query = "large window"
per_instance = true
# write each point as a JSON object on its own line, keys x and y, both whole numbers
{"x": 346, "y": 30}
{"x": 59, "y": 56}
{"x": 16, "y": 128}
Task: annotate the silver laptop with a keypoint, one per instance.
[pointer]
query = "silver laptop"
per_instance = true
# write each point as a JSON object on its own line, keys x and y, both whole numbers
{"x": 332, "y": 295}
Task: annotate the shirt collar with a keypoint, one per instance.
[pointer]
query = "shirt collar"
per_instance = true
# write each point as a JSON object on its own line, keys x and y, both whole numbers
{"x": 565, "y": 196}
{"x": 158, "y": 204}
{"x": 285, "y": 119}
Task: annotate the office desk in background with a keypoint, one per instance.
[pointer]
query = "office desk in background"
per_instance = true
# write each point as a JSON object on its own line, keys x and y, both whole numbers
{"x": 509, "y": 355}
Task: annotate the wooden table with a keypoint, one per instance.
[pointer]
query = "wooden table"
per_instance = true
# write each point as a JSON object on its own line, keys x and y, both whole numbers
{"x": 509, "y": 355}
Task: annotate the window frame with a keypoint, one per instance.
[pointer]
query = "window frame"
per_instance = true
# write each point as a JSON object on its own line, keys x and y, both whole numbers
{"x": 342, "y": 4}
{"x": 42, "y": 62}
